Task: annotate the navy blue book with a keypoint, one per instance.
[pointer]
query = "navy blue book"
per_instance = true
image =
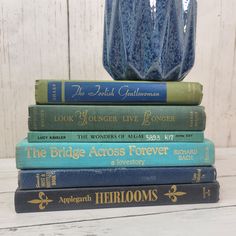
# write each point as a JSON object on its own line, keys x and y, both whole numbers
{"x": 72, "y": 178}
{"x": 37, "y": 200}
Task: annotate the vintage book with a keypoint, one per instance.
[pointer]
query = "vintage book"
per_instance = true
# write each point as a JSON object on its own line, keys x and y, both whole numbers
{"x": 75, "y": 178}
{"x": 92, "y": 155}
{"x": 116, "y": 118}
{"x": 115, "y": 136}
{"x": 111, "y": 197}
{"x": 97, "y": 92}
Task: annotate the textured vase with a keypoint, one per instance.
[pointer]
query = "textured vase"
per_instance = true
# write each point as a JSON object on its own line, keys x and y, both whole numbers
{"x": 149, "y": 39}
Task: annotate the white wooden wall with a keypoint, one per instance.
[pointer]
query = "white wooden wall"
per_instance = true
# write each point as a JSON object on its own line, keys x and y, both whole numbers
{"x": 62, "y": 39}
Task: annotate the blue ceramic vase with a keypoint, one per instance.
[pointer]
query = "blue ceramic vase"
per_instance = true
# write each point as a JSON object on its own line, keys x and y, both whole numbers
{"x": 149, "y": 39}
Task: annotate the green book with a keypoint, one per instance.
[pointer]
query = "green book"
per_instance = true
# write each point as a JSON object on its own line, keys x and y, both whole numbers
{"x": 116, "y": 118}
{"x": 115, "y": 136}
{"x": 117, "y": 92}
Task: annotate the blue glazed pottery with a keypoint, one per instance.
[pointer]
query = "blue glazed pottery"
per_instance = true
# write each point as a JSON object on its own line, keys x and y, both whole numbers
{"x": 149, "y": 39}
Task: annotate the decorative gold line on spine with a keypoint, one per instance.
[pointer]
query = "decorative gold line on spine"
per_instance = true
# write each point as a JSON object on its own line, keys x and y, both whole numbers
{"x": 63, "y": 91}
{"x": 206, "y": 156}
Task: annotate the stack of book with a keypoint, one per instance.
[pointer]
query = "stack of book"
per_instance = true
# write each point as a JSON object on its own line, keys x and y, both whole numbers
{"x": 115, "y": 144}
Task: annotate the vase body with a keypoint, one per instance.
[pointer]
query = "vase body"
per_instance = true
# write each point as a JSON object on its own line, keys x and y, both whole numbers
{"x": 149, "y": 39}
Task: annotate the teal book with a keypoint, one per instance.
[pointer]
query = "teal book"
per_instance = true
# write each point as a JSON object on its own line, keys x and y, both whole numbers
{"x": 115, "y": 136}
{"x": 99, "y": 155}
{"x": 116, "y": 118}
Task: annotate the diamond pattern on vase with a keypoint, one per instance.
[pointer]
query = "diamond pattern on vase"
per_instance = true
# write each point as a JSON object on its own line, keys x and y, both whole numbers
{"x": 149, "y": 39}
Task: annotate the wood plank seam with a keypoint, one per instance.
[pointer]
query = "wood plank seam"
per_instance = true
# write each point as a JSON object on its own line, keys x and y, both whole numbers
{"x": 68, "y": 38}
{"x": 117, "y": 217}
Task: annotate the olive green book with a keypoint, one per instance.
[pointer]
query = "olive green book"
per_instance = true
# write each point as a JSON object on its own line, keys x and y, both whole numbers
{"x": 116, "y": 92}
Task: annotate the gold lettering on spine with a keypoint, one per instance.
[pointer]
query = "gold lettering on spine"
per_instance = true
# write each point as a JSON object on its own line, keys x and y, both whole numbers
{"x": 67, "y": 152}
{"x": 98, "y": 198}
{"x": 147, "y": 151}
{"x": 197, "y": 176}
{"x": 137, "y": 196}
{"x": 116, "y": 197}
{"x": 130, "y": 119}
{"x": 74, "y": 199}
{"x": 185, "y": 154}
{"x": 206, "y": 193}
{"x": 42, "y": 118}
{"x": 149, "y": 118}
{"x": 33, "y": 152}
{"x": 64, "y": 118}
{"x": 190, "y": 119}
{"x": 103, "y": 152}
{"x": 45, "y": 180}
{"x": 122, "y": 196}
{"x": 82, "y": 117}
{"x": 154, "y": 195}
{"x": 146, "y": 118}
{"x": 54, "y": 92}
{"x": 37, "y": 181}
{"x": 194, "y": 119}
{"x": 130, "y": 196}
{"x": 54, "y": 180}
{"x": 106, "y": 197}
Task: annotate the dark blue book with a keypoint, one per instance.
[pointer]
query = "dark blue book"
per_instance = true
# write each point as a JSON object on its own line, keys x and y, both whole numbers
{"x": 70, "y": 178}
{"x": 117, "y": 196}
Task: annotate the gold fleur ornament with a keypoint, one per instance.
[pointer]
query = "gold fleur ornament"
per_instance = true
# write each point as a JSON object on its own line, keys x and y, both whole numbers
{"x": 43, "y": 200}
{"x": 173, "y": 194}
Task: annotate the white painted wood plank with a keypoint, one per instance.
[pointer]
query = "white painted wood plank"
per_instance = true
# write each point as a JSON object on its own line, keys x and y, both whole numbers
{"x": 225, "y": 161}
{"x": 215, "y": 68}
{"x": 86, "y": 39}
{"x": 184, "y": 223}
{"x": 33, "y": 45}
{"x": 8, "y": 181}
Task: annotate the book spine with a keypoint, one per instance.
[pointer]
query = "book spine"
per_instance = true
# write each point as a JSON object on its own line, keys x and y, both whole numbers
{"x": 112, "y": 197}
{"x": 92, "y": 155}
{"x": 81, "y": 92}
{"x": 115, "y": 136}
{"x": 58, "y": 178}
{"x": 116, "y": 118}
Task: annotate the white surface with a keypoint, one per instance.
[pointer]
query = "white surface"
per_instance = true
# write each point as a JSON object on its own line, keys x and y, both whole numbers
{"x": 201, "y": 219}
{"x": 36, "y": 43}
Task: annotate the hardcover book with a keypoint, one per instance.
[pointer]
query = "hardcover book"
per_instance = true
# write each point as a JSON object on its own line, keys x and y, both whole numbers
{"x": 116, "y": 118}
{"x": 115, "y": 136}
{"x": 74, "y": 178}
{"x": 110, "y": 197}
{"x": 97, "y": 92}
{"x": 93, "y": 155}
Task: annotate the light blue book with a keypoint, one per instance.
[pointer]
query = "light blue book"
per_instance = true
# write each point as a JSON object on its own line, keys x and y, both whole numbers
{"x": 100, "y": 155}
